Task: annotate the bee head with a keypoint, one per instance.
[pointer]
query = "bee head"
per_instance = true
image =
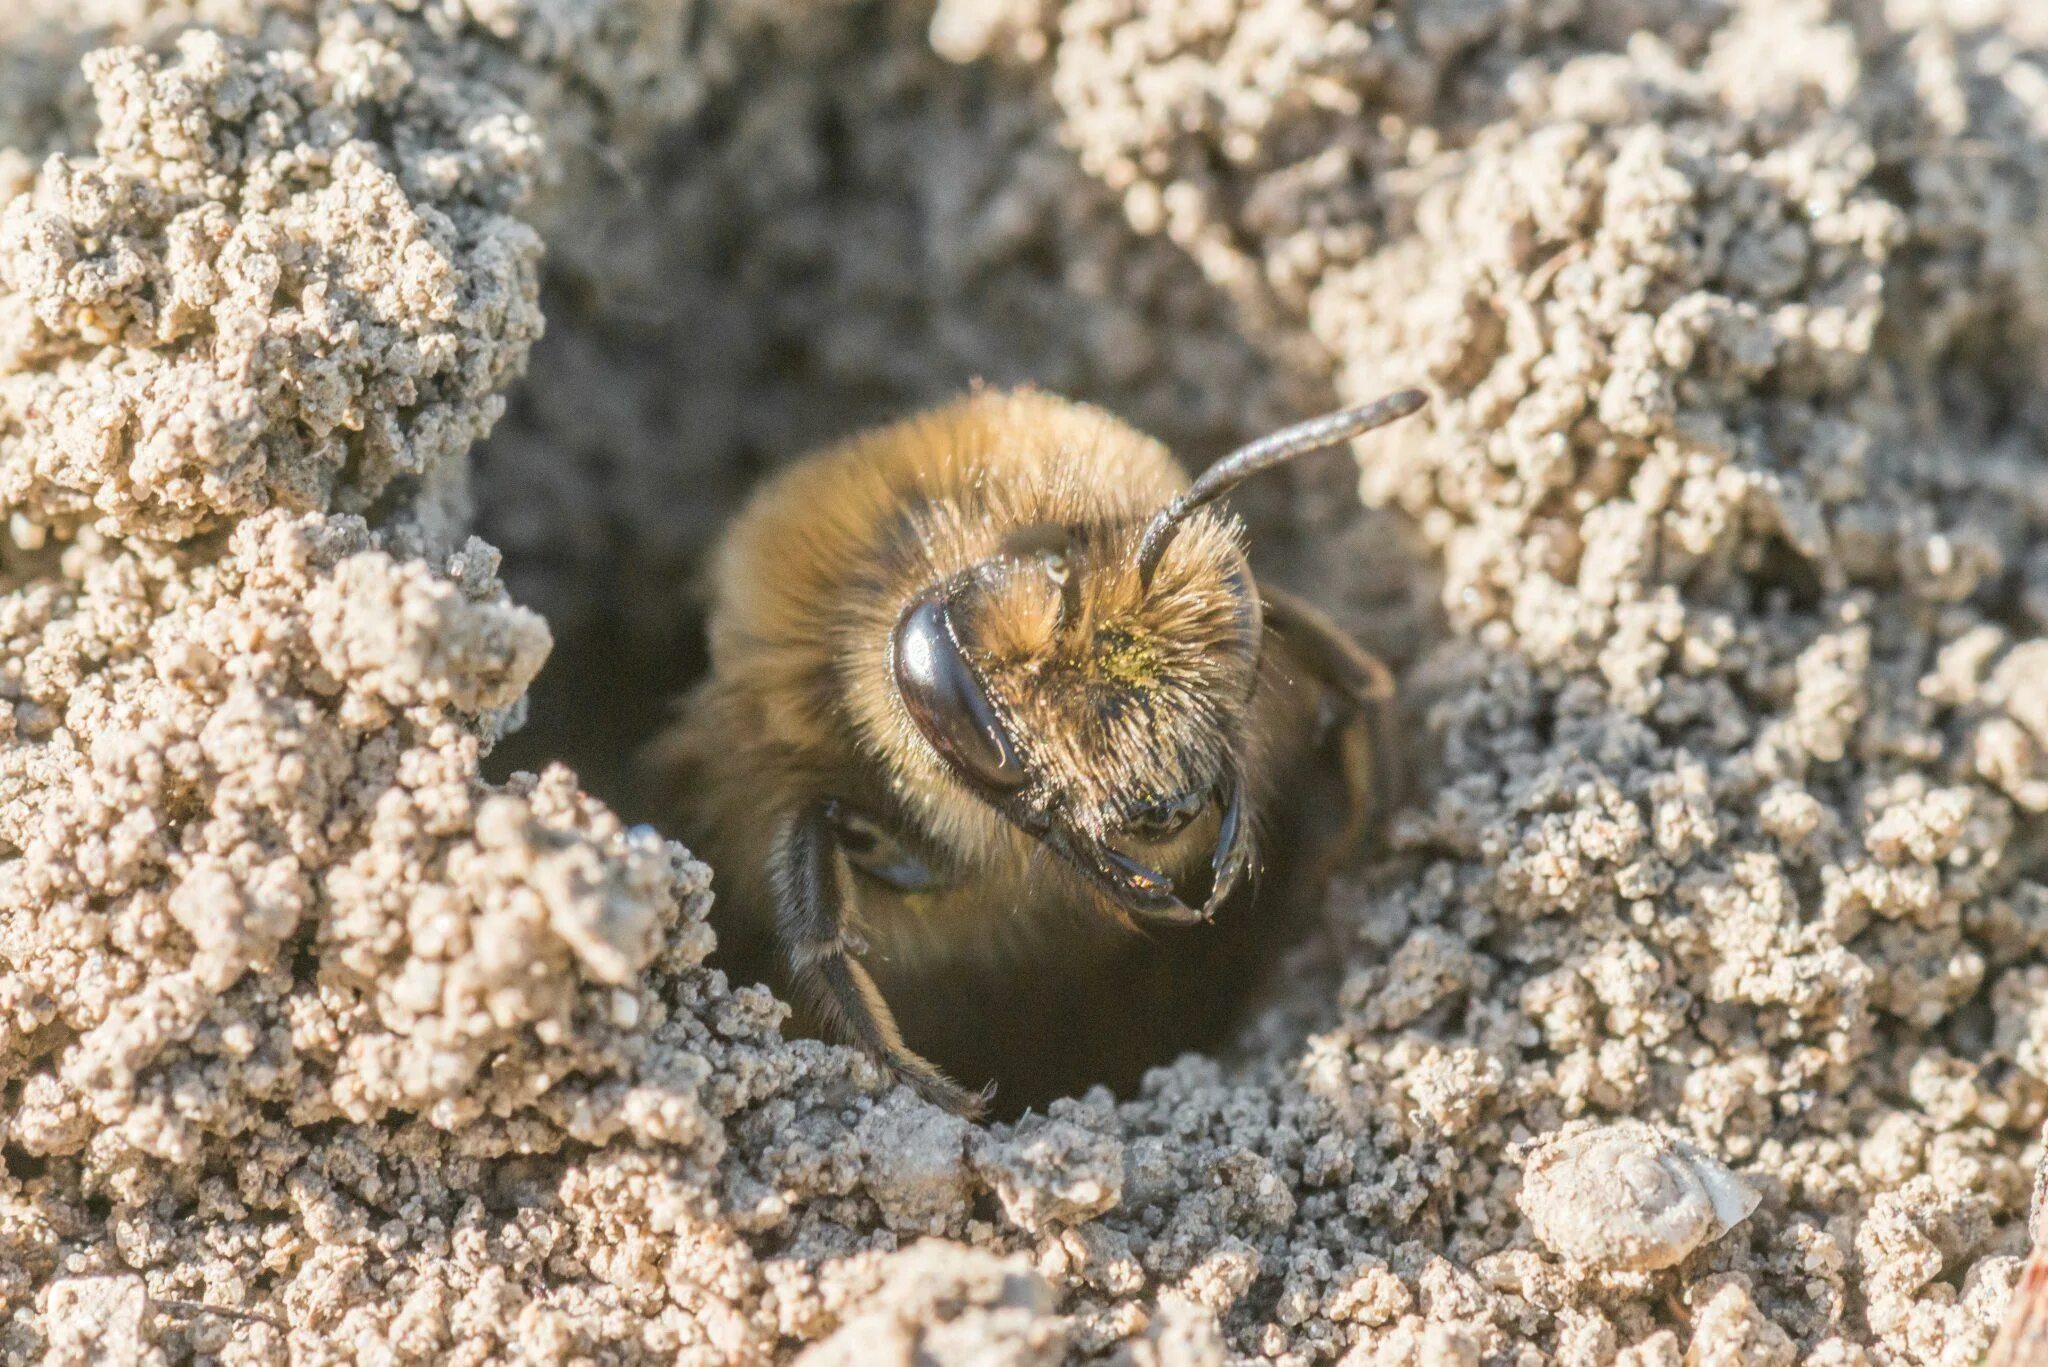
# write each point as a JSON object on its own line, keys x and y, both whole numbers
{"x": 1100, "y": 713}
{"x": 1092, "y": 683}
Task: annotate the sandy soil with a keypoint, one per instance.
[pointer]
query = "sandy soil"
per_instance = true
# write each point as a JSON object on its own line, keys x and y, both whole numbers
{"x": 1700, "y": 1012}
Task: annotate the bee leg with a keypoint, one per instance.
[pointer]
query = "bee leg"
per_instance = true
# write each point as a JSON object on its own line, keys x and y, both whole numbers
{"x": 1369, "y": 724}
{"x": 814, "y": 924}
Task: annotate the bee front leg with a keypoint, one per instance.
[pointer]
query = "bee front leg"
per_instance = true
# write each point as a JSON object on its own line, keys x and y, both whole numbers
{"x": 814, "y": 924}
{"x": 1364, "y": 689}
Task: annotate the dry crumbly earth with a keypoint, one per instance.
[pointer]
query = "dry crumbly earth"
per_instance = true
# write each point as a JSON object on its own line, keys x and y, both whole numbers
{"x": 1726, "y": 607}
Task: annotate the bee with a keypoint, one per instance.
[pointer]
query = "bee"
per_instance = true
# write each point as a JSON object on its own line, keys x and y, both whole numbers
{"x": 992, "y": 690}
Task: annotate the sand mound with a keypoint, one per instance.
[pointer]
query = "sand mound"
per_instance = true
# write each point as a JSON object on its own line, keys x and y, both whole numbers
{"x": 1723, "y": 591}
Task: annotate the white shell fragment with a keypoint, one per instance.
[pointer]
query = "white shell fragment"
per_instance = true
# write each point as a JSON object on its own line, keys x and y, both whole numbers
{"x": 1626, "y": 1198}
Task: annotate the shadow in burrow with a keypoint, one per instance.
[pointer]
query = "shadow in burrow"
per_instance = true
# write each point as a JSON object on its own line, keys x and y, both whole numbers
{"x": 746, "y": 292}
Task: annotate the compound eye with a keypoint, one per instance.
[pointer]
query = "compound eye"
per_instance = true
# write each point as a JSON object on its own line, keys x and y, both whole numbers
{"x": 947, "y": 702}
{"x": 1165, "y": 818}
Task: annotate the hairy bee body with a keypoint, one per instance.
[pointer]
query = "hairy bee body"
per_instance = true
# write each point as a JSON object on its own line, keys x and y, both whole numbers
{"x": 864, "y": 856}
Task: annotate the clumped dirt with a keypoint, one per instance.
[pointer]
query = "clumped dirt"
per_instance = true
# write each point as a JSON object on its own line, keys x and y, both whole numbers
{"x": 1723, "y": 601}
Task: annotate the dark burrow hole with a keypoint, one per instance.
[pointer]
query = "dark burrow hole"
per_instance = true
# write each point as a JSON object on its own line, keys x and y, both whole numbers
{"x": 617, "y": 678}
{"x": 613, "y": 683}
{"x": 644, "y": 423}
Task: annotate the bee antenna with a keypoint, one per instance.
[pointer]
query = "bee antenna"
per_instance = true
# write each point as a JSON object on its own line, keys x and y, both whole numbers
{"x": 1263, "y": 454}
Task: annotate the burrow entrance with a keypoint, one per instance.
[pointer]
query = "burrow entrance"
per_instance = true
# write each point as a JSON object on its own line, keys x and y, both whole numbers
{"x": 804, "y": 261}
